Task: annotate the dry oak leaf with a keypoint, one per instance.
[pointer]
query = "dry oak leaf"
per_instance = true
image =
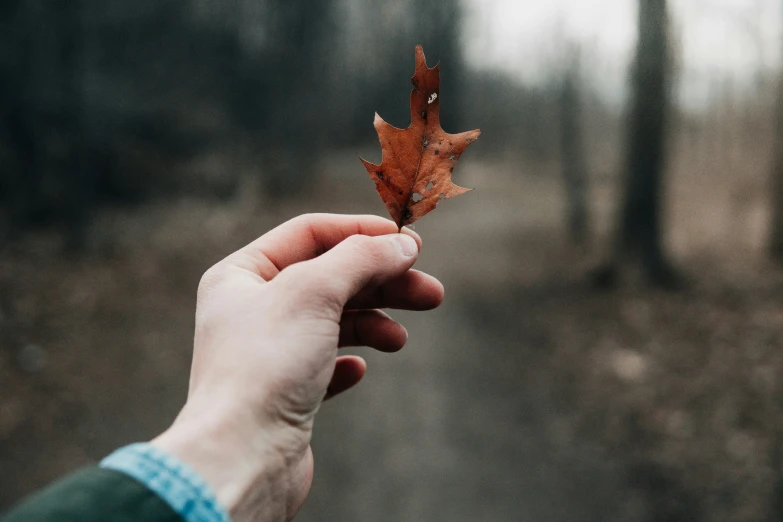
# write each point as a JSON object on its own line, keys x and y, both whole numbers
{"x": 417, "y": 162}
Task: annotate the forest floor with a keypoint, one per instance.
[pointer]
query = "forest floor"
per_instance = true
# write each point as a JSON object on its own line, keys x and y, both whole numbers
{"x": 529, "y": 395}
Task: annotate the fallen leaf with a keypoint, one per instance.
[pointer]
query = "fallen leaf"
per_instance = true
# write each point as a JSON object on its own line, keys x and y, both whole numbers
{"x": 417, "y": 162}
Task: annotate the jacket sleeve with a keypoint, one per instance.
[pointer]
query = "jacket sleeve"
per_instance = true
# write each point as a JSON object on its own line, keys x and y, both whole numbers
{"x": 136, "y": 483}
{"x": 92, "y": 495}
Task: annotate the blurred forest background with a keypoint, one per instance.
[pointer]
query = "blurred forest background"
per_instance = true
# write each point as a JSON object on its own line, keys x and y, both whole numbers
{"x": 610, "y": 346}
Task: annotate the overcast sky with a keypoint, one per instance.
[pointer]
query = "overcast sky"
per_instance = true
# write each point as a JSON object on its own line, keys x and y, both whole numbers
{"x": 716, "y": 39}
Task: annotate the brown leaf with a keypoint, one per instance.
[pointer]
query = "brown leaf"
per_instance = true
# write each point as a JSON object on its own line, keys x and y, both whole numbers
{"x": 417, "y": 162}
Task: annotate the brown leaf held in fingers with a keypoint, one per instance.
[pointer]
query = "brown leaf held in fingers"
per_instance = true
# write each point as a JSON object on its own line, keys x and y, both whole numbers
{"x": 417, "y": 162}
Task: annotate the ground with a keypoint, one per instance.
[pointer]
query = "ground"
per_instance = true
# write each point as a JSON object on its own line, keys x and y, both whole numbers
{"x": 529, "y": 395}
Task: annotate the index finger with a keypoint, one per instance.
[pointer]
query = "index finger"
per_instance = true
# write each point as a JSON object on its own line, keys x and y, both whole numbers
{"x": 306, "y": 237}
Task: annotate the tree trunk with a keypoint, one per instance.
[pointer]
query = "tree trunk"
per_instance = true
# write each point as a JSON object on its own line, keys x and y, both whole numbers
{"x": 572, "y": 152}
{"x": 638, "y": 242}
{"x": 776, "y": 238}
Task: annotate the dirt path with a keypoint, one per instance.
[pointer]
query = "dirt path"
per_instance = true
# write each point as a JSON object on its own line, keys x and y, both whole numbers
{"x": 527, "y": 396}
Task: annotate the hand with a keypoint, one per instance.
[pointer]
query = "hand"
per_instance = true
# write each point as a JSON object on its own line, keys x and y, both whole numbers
{"x": 269, "y": 321}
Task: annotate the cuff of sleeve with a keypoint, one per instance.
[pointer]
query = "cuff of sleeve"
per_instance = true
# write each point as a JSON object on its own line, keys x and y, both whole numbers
{"x": 171, "y": 479}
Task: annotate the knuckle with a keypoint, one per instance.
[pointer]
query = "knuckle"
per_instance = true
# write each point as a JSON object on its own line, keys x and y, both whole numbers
{"x": 305, "y": 220}
{"x": 301, "y": 219}
{"x": 209, "y": 276}
{"x": 209, "y": 281}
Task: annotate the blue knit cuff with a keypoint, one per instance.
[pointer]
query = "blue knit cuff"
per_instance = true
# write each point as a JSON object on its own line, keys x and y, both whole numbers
{"x": 172, "y": 480}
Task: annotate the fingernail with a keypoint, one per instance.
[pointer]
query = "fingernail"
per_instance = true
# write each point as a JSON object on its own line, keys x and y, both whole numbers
{"x": 406, "y": 244}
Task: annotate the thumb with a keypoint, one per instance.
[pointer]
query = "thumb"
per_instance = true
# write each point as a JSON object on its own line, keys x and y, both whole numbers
{"x": 356, "y": 262}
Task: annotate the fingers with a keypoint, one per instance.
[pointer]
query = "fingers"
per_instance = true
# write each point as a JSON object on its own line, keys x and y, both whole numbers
{"x": 371, "y": 328}
{"x": 348, "y": 371}
{"x": 413, "y": 290}
{"x": 363, "y": 328}
{"x": 330, "y": 280}
{"x": 306, "y": 237}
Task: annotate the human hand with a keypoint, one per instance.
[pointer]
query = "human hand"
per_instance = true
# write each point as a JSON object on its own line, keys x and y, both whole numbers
{"x": 269, "y": 321}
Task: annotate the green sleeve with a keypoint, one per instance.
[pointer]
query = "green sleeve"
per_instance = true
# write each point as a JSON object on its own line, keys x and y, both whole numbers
{"x": 94, "y": 494}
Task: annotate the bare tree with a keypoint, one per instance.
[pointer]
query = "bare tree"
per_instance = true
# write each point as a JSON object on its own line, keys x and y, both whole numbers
{"x": 776, "y": 238}
{"x": 638, "y": 241}
{"x": 572, "y": 149}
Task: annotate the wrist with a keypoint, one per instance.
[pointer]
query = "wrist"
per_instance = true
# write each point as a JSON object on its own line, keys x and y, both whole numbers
{"x": 241, "y": 462}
